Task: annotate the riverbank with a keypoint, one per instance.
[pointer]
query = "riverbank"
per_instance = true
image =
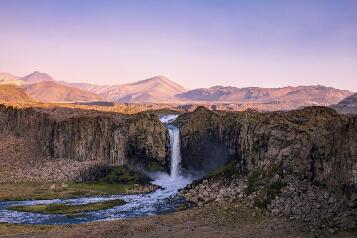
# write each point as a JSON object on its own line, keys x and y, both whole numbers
{"x": 44, "y": 191}
{"x": 68, "y": 209}
{"x": 210, "y": 220}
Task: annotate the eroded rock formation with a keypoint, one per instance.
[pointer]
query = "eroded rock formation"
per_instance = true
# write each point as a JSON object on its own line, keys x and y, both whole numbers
{"x": 88, "y": 135}
{"x": 315, "y": 143}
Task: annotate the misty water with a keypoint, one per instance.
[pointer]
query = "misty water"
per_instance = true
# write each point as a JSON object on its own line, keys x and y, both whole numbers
{"x": 157, "y": 202}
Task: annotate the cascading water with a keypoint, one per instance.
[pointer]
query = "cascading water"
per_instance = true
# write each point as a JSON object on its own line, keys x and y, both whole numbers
{"x": 175, "y": 180}
{"x": 159, "y": 201}
{"x": 175, "y": 151}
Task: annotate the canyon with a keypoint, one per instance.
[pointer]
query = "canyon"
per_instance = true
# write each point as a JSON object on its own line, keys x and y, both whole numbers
{"x": 265, "y": 161}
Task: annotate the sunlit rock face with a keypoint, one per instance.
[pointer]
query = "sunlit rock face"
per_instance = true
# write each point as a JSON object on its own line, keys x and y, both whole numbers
{"x": 82, "y": 135}
{"x": 315, "y": 143}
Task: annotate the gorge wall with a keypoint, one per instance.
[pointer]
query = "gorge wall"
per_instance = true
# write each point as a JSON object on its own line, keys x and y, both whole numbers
{"x": 314, "y": 143}
{"x": 88, "y": 135}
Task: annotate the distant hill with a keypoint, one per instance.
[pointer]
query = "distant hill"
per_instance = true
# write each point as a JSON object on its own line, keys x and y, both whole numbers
{"x": 347, "y": 105}
{"x": 159, "y": 89}
{"x": 6, "y": 78}
{"x": 49, "y": 91}
{"x": 37, "y": 77}
{"x": 155, "y": 89}
{"x": 349, "y": 101}
{"x": 301, "y": 96}
{"x": 13, "y": 93}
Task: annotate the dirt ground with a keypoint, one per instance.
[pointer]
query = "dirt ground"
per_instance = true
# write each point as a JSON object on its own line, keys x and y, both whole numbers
{"x": 211, "y": 220}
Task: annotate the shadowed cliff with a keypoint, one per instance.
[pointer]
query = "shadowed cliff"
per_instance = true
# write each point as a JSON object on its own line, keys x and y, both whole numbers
{"x": 86, "y": 135}
{"x": 315, "y": 143}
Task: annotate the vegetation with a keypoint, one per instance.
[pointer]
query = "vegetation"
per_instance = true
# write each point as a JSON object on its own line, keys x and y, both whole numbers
{"x": 39, "y": 191}
{"x": 124, "y": 175}
{"x": 119, "y": 180}
{"x": 260, "y": 182}
{"x": 67, "y": 208}
{"x": 226, "y": 169}
{"x": 267, "y": 194}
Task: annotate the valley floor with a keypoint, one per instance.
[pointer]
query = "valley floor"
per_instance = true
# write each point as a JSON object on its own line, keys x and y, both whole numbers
{"x": 210, "y": 220}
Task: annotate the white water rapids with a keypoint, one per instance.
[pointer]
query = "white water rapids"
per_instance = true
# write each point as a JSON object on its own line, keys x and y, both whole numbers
{"x": 160, "y": 201}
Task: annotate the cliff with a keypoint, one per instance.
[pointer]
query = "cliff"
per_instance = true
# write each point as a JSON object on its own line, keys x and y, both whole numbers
{"x": 314, "y": 143}
{"x": 87, "y": 135}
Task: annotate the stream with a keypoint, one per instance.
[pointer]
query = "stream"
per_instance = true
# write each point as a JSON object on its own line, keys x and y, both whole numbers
{"x": 160, "y": 201}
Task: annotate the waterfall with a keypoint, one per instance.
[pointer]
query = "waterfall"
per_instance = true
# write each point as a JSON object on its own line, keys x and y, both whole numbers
{"x": 175, "y": 179}
{"x": 175, "y": 159}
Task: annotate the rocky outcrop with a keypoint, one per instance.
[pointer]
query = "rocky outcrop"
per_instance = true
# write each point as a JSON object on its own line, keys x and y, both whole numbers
{"x": 314, "y": 143}
{"x": 80, "y": 135}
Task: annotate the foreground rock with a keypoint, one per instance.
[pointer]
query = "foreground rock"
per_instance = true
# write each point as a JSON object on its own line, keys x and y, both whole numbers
{"x": 319, "y": 209}
{"x": 299, "y": 165}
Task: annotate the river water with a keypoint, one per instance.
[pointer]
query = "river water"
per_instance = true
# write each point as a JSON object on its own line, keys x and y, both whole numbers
{"x": 157, "y": 202}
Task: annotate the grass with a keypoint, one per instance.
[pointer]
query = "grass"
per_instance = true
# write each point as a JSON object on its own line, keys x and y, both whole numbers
{"x": 68, "y": 209}
{"x": 268, "y": 194}
{"x": 259, "y": 180}
{"x": 226, "y": 169}
{"x": 43, "y": 191}
{"x": 103, "y": 188}
{"x": 124, "y": 175}
{"x": 119, "y": 180}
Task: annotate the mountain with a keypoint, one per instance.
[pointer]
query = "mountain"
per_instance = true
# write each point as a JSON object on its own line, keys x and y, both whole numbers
{"x": 49, "y": 91}
{"x": 13, "y": 93}
{"x": 350, "y": 101}
{"x": 37, "y": 77}
{"x": 155, "y": 89}
{"x": 159, "y": 89}
{"x": 347, "y": 105}
{"x": 6, "y": 78}
{"x": 302, "y": 95}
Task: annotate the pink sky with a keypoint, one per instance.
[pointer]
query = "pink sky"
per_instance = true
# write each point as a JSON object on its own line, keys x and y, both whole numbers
{"x": 195, "y": 43}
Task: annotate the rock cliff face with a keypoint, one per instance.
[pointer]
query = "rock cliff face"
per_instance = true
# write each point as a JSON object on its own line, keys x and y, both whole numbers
{"x": 314, "y": 143}
{"x": 81, "y": 135}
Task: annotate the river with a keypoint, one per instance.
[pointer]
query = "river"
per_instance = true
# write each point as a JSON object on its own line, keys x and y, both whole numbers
{"x": 157, "y": 202}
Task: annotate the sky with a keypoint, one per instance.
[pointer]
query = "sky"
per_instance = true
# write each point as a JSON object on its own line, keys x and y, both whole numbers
{"x": 196, "y": 43}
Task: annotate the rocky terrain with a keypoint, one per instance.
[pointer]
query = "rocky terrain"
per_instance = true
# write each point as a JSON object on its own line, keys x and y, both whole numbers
{"x": 48, "y": 138}
{"x": 300, "y": 165}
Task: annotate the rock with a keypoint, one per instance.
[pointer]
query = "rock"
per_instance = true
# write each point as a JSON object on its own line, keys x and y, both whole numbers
{"x": 86, "y": 137}
{"x": 298, "y": 139}
{"x": 353, "y": 197}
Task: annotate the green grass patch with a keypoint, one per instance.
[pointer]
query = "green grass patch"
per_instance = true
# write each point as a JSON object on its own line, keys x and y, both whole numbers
{"x": 124, "y": 175}
{"x": 255, "y": 179}
{"x": 226, "y": 169}
{"x": 118, "y": 180}
{"x": 102, "y": 188}
{"x": 267, "y": 194}
{"x": 67, "y": 208}
{"x": 260, "y": 181}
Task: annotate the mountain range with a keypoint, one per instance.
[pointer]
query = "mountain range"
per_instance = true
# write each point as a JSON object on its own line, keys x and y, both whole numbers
{"x": 158, "y": 89}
